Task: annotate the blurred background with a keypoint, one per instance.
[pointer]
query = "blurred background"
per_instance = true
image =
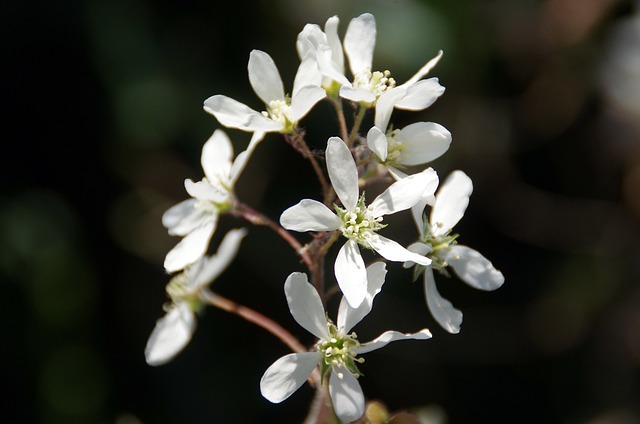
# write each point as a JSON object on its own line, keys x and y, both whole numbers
{"x": 103, "y": 105}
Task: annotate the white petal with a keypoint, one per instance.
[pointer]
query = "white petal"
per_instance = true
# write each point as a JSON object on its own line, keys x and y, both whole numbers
{"x": 391, "y": 336}
{"x": 359, "y": 42}
{"x": 473, "y": 268}
{"x": 357, "y": 95}
{"x": 331, "y": 32}
{"x": 287, "y": 374}
{"x": 348, "y": 317}
{"x": 424, "y": 142}
{"x": 227, "y": 251}
{"x": 305, "y": 304}
{"x": 243, "y": 157}
{"x": 176, "y": 218}
{"x": 203, "y": 190}
{"x": 427, "y": 198}
{"x": 233, "y": 114}
{"x": 264, "y": 77}
{"x": 421, "y": 95}
{"x": 442, "y": 310}
{"x": 404, "y": 193}
{"x": 424, "y": 70}
{"x": 385, "y": 104}
{"x": 307, "y": 74}
{"x": 304, "y": 100}
{"x": 394, "y": 252}
{"x": 346, "y": 395}
{"x": 309, "y": 215}
{"x": 452, "y": 200}
{"x": 351, "y": 273}
{"x": 342, "y": 172}
{"x": 418, "y": 247}
{"x": 377, "y": 143}
{"x": 191, "y": 248}
{"x": 170, "y": 335}
{"x": 217, "y": 154}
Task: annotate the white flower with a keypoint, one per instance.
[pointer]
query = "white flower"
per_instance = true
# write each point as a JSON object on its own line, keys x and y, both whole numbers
{"x": 415, "y": 144}
{"x": 336, "y": 350}
{"x": 368, "y": 86}
{"x": 282, "y": 113}
{"x": 357, "y": 222}
{"x": 196, "y": 219}
{"x": 441, "y": 246}
{"x": 173, "y": 331}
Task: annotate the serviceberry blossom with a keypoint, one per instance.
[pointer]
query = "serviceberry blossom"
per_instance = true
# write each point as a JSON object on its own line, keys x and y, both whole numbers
{"x": 415, "y": 144}
{"x": 440, "y": 245}
{"x": 196, "y": 219}
{"x": 337, "y": 349}
{"x": 173, "y": 332}
{"x": 368, "y": 86}
{"x": 358, "y": 222}
{"x": 282, "y": 112}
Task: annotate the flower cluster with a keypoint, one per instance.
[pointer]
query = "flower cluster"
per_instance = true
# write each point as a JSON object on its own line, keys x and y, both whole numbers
{"x": 355, "y": 158}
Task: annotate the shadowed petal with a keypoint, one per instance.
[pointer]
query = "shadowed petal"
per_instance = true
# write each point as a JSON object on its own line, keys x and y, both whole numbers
{"x": 309, "y": 215}
{"x": 377, "y": 143}
{"x": 442, "y": 310}
{"x": 304, "y": 100}
{"x": 180, "y": 219}
{"x": 217, "y": 154}
{"x": 385, "y": 104}
{"x": 308, "y": 74}
{"x": 403, "y": 194}
{"x": 358, "y": 95}
{"x": 424, "y": 142}
{"x": 305, "y": 304}
{"x": 473, "y": 268}
{"x": 170, "y": 335}
{"x": 287, "y": 374}
{"x": 191, "y": 248}
{"x": 420, "y": 95}
{"x": 346, "y": 395}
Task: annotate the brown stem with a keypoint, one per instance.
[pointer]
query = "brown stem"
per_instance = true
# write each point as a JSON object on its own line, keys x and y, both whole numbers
{"x": 256, "y": 218}
{"x": 337, "y": 104}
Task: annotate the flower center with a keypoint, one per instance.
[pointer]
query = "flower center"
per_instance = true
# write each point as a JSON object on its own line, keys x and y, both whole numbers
{"x": 438, "y": 244}
{"x": 338, "y": 350}
{"x": 376, "y": 82}
{"x": 280, "y": 111}
{"x": 395, "y": 147}
{"x": 359, "y": 224}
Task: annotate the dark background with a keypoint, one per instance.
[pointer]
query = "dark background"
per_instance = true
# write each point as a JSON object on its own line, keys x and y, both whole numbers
{"x": 103, "y": 106}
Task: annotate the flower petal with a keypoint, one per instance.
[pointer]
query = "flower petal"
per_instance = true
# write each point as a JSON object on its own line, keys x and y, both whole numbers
{"x": 359, "y": 42}
{"x": 308, "y": 74}
{"x": 391, "y": 336}
{"x": 305, "y": 304}
{"x": 357, "y": 95}
{"x": 385, "y": 104}
{"x": 452, "y": 200}
{"x": 243, "y": 157}
{"x": 394, "y": 252}
{"x": 348, "y": 317}
{"x": 473, "y": 268}
{"x": 227, "y": 251}
{"x": 233, "y": 114}
{"x": 351, "y": 273}
{"x": 170, "y": 335}
{"x": 424, "y": 70}
{"x": 217, "y": 154}
{"x": 342, "y": 172}
{"x": 176, "y": 219}
{"x": 264, "y": 77}
{"x": 424, "y": 142}
{"x": 304, "y": 100}
{"x": 420, "y": 95}
{"x": 378, "y": 143}
{"x": 287, "y": 374}
{"x": 404, "y": 193}
{"x": 203, "y": 190}
{"x": 191, "y": 248}
{"x": 346, "y": 395}
{"x": 309, "y": 215}
{"x": 418, "y": 247}
{"x": 331, "y": 32}
{"x": 441, "y": 309}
